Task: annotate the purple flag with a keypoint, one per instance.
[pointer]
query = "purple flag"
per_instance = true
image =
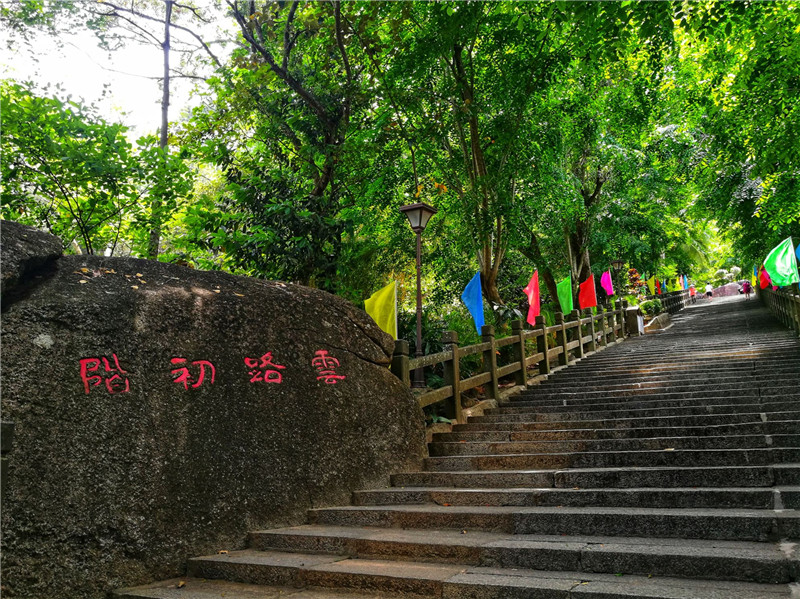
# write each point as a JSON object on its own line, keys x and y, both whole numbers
{"x": 605, "y": 283}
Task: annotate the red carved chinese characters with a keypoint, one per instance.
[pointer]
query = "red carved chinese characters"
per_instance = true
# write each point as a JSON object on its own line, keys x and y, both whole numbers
{"x": 112, "y": 375}
{"x": 262, "y": 369}
{"x": 326, "y": 367}
{"x": 184, "y": 376}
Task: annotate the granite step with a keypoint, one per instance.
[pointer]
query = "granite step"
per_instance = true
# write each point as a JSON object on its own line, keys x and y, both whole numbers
{"x": 203, "y": 588}
{"x": 719, "y": 497}
{"x": 458, "y": 581}
{"x": 617, "y": 459}
{"x": 471, "y": 448}
{"x": 617, "y": 478}
{"x": 745, "y": 428}
{"x": 570, "y": 413}
{"x": 680, "y": 523}
{"x": 551, "y": 422}
{"x": 717, "y": 560}
{"x": 654, "y": 401}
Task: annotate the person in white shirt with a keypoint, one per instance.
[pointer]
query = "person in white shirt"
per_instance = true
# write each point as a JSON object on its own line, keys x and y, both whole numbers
{"x": 709, "y": 291}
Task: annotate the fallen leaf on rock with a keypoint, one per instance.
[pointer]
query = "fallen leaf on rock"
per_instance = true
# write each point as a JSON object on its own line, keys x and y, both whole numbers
{"x": 223, "y": 552}
{"x": 215, "y": 290}
{"x": 84, "y": 270}
{"x": 83, "y": 281}
{"x": 134, "y": 287}
{"x": 142, "y": 281}
{"x": 181, "y": 584}
{"x": 237, "y": 294}
{"x": 138, "y": 274}
{"x": 670, "y": 449}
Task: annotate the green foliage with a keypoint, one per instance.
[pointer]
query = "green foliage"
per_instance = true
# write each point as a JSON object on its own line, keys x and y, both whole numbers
{"x": 651, "y": 307}
{"x": 66, "y": 170}
{"x": 558, "y": 136}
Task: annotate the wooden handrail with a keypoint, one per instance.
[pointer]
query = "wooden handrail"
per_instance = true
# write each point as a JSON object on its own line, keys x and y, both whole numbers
{"x": 577, "y": 335}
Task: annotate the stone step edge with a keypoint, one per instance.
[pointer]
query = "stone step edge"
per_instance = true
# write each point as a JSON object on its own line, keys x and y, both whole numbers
{"x": 451, "y": 581}
{"x": 729, "y": 560}
{"x": 188, "y": 587}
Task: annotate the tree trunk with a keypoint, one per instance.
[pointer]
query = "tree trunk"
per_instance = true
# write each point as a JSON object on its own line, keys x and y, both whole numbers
{"x": 163, "y": 142}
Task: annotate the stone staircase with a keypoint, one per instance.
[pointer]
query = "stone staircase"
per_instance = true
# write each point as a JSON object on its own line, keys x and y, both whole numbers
{"x": 666, "y": 467}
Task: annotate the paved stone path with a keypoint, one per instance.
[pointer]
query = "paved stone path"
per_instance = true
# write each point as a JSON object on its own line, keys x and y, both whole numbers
{"x": 665, "y": 467}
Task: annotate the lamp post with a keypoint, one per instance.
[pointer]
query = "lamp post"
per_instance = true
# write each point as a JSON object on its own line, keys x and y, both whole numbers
{"x": 418, "y": 216}
{"x": 617, "y": 265}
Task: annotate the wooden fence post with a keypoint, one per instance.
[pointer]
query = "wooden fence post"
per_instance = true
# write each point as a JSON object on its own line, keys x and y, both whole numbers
{"x": 611, "y": 322}
{"x": 622, "y": 318}
{"x": 490, "y": 360}
{"x": 541, "y": 345}
{"x": 518, "y": 331}
{"x": 400, "y": 362}
{"x": 593, "y": 342}
{"x": 602, "y": 315}
{"x": 561, "y": 339}
{"x": 452, "y": 375}
{"x": 575, "y": 315}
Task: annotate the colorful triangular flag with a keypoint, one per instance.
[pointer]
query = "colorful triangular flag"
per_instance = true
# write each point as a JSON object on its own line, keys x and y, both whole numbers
{"x": 473, "y": 300}
{"x": 564, "y": 290}
{"x": 651, "y": 285}
{"x": 534, "y": 302}
{"x": 781, "y": 264}
{"x": 382, "y": 306}
{"x": 587, "y": 298}
{"x": 763, "y": 278}
{"x": 606, "y": 284}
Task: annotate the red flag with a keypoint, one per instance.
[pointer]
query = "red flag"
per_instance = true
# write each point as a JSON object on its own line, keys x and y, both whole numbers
{"x": 532, "y": 291}
{"x": 586, "y": 294}
{"x": 658, "y": 286}
{"x": 764, "y": 279}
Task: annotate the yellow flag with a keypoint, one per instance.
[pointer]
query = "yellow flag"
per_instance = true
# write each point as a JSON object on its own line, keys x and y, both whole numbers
{"x": 651, "y": 285}
{"x": 382, "y": 306}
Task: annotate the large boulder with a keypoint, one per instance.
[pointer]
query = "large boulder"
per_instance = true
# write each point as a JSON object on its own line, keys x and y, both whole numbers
{"x": 163, "y": 412}
{"x": 24, "y": 251}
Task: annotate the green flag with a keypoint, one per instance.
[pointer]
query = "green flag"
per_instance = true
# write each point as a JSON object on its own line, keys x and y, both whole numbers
{"x": 564, "y": 289}
{"x": 781, "y": 264}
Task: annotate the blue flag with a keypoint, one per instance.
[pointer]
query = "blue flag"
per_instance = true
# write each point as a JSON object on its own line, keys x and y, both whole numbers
{"x": 473, "y": 300}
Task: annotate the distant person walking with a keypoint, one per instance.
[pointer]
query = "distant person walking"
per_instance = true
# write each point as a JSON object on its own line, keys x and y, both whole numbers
{"x": 693, "y": 293}
{"x": 709, "y": 291}
{"x": 747, "y": 288}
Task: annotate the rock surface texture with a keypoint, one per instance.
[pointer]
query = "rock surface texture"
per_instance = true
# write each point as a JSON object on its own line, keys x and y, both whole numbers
{"x": 163, "y": 412}
{"x": 665, "y": 467}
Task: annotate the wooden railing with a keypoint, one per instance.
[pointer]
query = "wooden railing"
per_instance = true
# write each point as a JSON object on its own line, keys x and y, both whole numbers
{"x": 578, "y": 333}
{"x": 672, "y": 301}
{"x": 785, "y": 305}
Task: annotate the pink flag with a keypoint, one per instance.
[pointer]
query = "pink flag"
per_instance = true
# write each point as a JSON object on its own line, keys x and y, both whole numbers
{"x": 605, "y": 283}
{"x": 532, "y": 291}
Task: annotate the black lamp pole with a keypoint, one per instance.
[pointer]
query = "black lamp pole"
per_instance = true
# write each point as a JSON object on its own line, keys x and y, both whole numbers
{"x": 418, "y": 217}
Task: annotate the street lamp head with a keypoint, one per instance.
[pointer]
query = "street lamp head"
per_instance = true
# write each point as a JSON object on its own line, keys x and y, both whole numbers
{"x": 418, "y": 215}
{"x": 617, "y": 264}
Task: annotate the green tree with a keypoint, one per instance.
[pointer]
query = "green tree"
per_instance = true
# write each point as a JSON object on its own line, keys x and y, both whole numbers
{"x": 69, "y": 171}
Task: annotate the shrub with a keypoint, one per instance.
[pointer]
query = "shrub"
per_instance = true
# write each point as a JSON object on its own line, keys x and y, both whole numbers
{"x": 651, "y": 307}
